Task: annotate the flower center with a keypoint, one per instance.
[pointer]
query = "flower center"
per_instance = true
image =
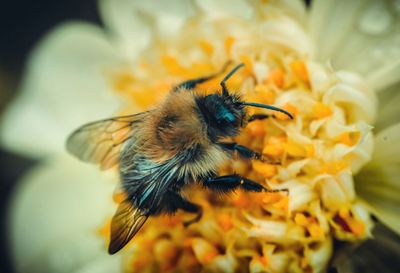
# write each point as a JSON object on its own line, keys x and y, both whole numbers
{"x": 313, "y": 156}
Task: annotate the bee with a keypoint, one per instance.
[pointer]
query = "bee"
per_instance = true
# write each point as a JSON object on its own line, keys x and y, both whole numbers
{"x": 162, "y": 150}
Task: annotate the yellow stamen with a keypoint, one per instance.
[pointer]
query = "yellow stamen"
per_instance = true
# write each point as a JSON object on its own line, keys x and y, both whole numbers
{"x": 315, "y": 230}
{"x": 282, "y": 204}
{"x": 266, "y": 170}
{"x": 299, "y": 69}
{"x": 304, "y": 262}
{"x": 256, "y": 128}
{"x": 299, "y": 150}
{"x": 264, "y": 94}
{"x": 301, "y": 219}
{"x": 204, "y": 251}
{"x": 321, "y": 110}
{"x": 277, "y": 77}
{"x": 275, "y": 146}
{"x": 288, "y": 107}
{"x": 124, "y": 81}
{"x": 248, "y": 64}
{"x": 225, "y": 221}
{"x": 228, "y": 44}
{"x": 271, "y": 197}
{"x": 207, "y": 47}
{"x": 357, "y": 227}
{"x": 344, "y": 213}
{"x": 172, "y": 65}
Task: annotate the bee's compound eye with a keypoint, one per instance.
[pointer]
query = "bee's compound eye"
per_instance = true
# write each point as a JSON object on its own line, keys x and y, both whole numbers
{"x": 225, "y": 117}
{"x": 229, "y": 117}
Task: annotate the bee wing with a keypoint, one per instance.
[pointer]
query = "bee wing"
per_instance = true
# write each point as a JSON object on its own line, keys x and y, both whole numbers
{"x": 100, "y": 141}
{"x": 126, "y": 222}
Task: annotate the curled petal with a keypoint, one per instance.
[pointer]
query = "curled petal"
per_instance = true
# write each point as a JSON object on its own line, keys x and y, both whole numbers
{"x": 378, "y": 183}
{"x": 359, "y": 36}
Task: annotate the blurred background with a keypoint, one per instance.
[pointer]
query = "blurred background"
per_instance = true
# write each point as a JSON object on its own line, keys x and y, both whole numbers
{"x": 22, "y": 24}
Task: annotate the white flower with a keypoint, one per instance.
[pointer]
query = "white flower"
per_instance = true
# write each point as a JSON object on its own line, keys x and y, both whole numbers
{"x": 345, "y": 52}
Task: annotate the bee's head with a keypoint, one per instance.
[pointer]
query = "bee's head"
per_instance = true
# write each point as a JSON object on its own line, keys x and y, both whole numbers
{"x": 224, "y": 115}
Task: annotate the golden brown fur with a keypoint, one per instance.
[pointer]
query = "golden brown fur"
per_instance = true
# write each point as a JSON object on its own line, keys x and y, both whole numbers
{"x": 174, "y": 127}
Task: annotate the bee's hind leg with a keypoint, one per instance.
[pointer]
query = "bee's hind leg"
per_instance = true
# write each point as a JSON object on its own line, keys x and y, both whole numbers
{"x": 191, "y": 84}
{"x": 229, "y": 183}
{"x": 178, "y": 202}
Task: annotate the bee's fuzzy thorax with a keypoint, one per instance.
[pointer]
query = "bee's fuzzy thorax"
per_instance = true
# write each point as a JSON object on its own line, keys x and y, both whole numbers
{"x": 175, "y": 126}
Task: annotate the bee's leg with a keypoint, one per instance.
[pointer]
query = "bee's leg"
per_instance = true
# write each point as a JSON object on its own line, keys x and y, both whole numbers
{"x": 245, "y": 152}
{"x": 241, "y": 150}
{"x": 259, "y": 117}
{"x": 191, "y": 207}
{"x": 191, "y": 84}
{"x": 178, "y": 202}
{"x": 232, "y": 182}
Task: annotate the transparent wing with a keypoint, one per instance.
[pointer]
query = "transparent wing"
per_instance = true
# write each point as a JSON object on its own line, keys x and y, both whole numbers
{"x": 100, "y": 141}
{"x": 126, "y": 222}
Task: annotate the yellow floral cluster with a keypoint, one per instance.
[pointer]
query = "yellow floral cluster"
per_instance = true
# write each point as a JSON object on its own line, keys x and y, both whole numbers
{"x": 261, "y": 232}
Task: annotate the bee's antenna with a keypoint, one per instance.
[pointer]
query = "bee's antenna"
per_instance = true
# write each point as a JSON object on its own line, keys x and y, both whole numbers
{"x": 223, "y": 85}
{"x": 266, "y": 106}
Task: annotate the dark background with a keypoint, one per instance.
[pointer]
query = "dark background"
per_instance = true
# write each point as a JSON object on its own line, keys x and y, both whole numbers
{"x": 22, "y": 24}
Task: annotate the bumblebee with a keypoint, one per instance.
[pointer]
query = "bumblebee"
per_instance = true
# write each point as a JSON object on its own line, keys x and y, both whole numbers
{"x": 162, "y": 150}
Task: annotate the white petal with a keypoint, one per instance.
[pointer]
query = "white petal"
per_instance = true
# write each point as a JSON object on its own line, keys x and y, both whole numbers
{"x": 379, "y": 182}
{"x": 226, "y": 8}
{"x": 388, "y": 110}
{"x": 131, "y": 32}
{"x": 288, "y": 33}
{"x": 319, "y": 255}
{"x": 359, "y": 35}
{"x": 64, "y": 86}
{"x": 353, "y": 90}
{"x": 132, "y": 21}
{"x": 56, "y": 214}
